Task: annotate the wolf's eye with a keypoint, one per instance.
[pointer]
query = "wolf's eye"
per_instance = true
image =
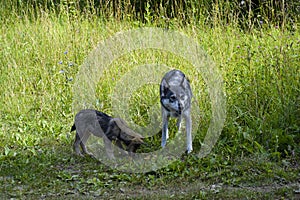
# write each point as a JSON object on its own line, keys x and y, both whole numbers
{"x": 172, "y": 98}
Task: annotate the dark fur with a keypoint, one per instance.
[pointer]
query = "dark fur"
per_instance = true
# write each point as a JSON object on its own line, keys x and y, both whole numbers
{"x": 94, "y": 122}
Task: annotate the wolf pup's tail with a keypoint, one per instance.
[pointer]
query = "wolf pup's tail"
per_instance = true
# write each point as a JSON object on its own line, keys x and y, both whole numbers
{"x": 73, "y": 128}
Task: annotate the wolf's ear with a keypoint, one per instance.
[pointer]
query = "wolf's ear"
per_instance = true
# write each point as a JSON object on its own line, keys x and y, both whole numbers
{"x": 164, "y": 87}
{"x": 184, "y": 81}
{"x": 164, "y": 82}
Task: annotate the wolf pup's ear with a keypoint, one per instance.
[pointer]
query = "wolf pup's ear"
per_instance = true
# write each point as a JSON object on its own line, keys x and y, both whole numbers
{"x": 121, "y": 124}
{"x": 112, "y": 129}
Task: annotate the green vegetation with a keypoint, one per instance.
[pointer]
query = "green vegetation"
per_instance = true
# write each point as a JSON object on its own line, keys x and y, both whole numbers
{"x": 43, "y": 46}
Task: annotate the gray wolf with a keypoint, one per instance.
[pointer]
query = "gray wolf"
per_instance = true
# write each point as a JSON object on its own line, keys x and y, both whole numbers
{"x": 175, "y": 99}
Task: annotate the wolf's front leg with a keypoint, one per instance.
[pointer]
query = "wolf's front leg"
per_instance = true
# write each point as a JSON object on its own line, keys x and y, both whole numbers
{"x": 178, "y": 123}
{"x": 189, "y": 139}
{"x": 165, "y": 134}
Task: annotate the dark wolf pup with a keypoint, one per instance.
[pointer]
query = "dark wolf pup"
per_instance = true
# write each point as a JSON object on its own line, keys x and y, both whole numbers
{"x": 94, "y": 122}
{"x": 175, "y": 99}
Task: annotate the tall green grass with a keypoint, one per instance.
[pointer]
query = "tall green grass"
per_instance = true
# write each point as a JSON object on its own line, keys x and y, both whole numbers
{"x": 246, "y": 14}
{"x": 42, "y": 51}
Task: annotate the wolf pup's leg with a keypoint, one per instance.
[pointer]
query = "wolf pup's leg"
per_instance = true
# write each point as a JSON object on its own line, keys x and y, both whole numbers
{"x": 108, "y": 148}
{"x": 76, "y": 145}
{"x": 83, "y": 142}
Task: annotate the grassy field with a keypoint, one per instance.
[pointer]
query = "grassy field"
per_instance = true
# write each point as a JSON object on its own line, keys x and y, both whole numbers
{"x": 256, "y": 157}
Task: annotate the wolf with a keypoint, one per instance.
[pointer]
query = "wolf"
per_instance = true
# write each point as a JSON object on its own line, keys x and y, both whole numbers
{"x": 175, "y": 99}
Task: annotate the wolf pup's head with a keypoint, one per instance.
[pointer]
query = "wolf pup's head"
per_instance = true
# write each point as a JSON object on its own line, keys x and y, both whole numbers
{"x": 175, "y": 92}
